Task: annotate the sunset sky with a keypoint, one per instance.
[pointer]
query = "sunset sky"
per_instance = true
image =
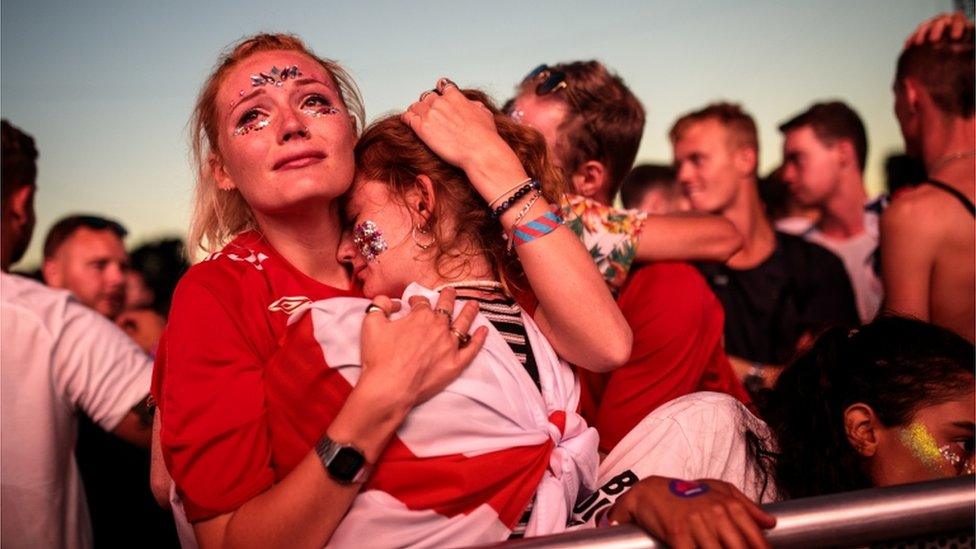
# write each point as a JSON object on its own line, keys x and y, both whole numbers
{"x": 106, "y": 88}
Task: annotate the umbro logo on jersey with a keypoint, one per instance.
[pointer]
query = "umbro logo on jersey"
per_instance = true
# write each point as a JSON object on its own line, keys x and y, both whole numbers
{"x": 289, "y": 304}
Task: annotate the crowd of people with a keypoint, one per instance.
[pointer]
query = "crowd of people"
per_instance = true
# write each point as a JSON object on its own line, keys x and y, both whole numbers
{"x": 438, "y": 329}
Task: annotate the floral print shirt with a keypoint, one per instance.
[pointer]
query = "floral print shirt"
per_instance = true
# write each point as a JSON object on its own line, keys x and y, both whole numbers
{"x": 610, "y": 234}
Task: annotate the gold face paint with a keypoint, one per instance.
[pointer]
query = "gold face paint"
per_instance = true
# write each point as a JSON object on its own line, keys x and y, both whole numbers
{"x": 920, "y": 441}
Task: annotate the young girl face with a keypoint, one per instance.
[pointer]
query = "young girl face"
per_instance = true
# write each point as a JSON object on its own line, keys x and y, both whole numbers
{"x": 937, "y": 443}
{"x": 285, "y": 138}
{"x": 381, "y": 242}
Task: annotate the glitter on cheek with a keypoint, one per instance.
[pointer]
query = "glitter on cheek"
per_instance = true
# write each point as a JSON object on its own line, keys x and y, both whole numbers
{"x": 315, "y": 113}
{"x": 369, "y": 239}
{"x": 923, "y": 445}
{"x": 257, "y": 126}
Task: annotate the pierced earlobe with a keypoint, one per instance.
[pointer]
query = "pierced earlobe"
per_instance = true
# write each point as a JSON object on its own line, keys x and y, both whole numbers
{"x": 425, "y": 231}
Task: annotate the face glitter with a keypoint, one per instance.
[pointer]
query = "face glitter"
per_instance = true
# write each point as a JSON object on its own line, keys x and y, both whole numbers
{"x": 275, "y": 76}
{"x": 918, "y": 439}
{"x": 953, "y": 456}
{"x": 369, "y": 239}
{"x": 319, "y": 111}
{"x": 248, "y": 128}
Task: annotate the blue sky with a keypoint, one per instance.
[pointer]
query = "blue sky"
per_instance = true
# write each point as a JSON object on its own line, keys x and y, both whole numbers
{"x": 107, "y": 87}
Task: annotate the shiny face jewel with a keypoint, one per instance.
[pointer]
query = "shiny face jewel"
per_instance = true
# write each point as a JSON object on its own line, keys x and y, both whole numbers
{"x": 253, "y": 127}
{"x": 275, "y": 76}
{"x": 369, "y": 239}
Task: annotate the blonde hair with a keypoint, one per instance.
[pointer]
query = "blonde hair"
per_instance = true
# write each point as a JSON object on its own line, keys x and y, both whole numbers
{"x": 219, "y": 216}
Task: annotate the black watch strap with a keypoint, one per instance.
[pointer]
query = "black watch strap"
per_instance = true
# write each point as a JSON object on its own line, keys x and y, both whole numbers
{"x": 345, "y": 463}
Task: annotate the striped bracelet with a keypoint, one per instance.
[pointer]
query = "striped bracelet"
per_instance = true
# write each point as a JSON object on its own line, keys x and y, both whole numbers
{"x": 537, "y": 228}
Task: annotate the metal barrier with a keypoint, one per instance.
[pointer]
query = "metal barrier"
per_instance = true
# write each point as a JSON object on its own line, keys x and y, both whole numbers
{"x": 849, "y": 519}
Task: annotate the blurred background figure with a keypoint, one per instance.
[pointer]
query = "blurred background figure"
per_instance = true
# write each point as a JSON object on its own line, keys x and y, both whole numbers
{"x": 928, "y": 234}
{"x": 782, "y": 209}
{"x": 85, "y": 255}
{"x": 59, "y": 359}
{"x": 654, "y": 189}
{"x": 159, "y": 264}
{"x": 902, "y": 172}
{"x": 824, "y": 151}
{"x": 778, "y": 289}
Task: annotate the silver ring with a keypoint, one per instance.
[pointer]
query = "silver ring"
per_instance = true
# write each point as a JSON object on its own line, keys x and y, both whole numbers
{"x": 445, "y": 312}
{"x": 373, "y": 308}
{"x": 463, "y": 339}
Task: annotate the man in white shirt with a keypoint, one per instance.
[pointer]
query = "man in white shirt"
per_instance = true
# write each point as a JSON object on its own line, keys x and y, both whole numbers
{"x": 58, "y": 357}
{"x": 824, "y": 151}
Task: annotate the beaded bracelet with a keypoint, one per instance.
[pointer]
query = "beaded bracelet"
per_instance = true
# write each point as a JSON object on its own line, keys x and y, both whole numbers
{"x": 504, "y": 194}
{"x": 510, "y": 201}
{"x": 537, "y": 228}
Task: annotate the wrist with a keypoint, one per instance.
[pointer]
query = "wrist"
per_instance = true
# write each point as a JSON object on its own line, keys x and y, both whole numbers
{"x": 495, "y": 171}
{"x": 367, "y": 420}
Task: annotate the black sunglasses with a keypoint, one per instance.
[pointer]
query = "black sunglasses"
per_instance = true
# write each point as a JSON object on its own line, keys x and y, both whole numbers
{"x": 549, "y": 80}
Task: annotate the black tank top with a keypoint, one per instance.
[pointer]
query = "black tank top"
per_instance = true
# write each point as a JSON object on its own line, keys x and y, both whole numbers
{"x": 954, "y": 192}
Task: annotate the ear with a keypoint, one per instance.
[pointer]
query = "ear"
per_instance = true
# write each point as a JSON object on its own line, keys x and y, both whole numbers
{"x": 219, "y": 172}
{"x": 590, "y": 179}
{"x": 421, "y": 200}
{"x": 912, "y": 93}
{"x": 848, "y": 156}
{"x": 744, "y": 159}
{"x": 20, "y": 206}
{"x": 862, "y": 428}
{"x": 51, "y": 271}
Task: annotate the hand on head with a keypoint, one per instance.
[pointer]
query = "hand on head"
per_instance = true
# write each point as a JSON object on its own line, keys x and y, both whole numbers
{"x": 453, "y": 126}
{"x": 934, "y": 30}
{"x": 701, "y": 513}
{"x": 414, "y": 357}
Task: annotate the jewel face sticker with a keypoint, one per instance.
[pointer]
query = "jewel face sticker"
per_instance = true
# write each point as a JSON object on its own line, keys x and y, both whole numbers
{"x": 923, "y": 445}
{"x": 687, "y": 488}
{"x": 369, "y": 239}
{"x": 954, "y": 456}
{"x": 253, "y": 127}
{"x": 275, "y": 76}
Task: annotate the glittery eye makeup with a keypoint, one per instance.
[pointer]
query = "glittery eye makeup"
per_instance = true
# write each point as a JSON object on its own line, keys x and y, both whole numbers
{"x": 369, "y": 239}
{"x": 249, "y": 127}
{"x": 317, "y": 105}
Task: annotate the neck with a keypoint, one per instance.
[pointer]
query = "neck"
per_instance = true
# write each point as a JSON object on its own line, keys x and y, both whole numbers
{"x": 842, "y": 215}
{"x": 472, "y": 274}
{"x": 945, "y": 150}
{"x": 309, "y": 241}
{"x": 747, "y": 215}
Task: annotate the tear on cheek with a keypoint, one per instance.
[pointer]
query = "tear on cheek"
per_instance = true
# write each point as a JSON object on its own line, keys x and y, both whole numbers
{"x": 369, "y": 239}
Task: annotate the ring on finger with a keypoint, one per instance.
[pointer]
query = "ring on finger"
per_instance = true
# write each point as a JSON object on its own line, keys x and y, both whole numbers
{"x": 374, "y": 308}
{"x": 445, "y": 312}
{"x": 463, "y": 338}
{"x": 443, "y": 83}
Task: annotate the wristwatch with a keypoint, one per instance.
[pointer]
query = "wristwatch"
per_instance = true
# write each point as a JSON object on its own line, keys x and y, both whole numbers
{"x": 345, "y": 463}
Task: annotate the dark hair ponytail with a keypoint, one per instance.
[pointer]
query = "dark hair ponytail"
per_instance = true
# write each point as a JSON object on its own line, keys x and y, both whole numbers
{"x": 894, "y": 365}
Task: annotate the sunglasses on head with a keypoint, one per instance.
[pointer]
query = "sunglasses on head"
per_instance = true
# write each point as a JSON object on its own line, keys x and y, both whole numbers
{"x": 549, "y": 80}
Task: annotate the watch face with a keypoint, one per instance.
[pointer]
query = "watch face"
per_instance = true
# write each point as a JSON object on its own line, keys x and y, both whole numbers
{"x": 346, "y": 463}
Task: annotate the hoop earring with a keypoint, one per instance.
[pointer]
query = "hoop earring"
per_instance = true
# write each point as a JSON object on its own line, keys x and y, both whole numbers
{"x": 422, "y": 245}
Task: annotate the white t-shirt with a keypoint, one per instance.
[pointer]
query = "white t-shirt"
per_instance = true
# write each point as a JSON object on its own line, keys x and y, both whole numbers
{"x": 700, "y": 435}
{"x": 857, "y": 254}
{"x": 56, "y": 357}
